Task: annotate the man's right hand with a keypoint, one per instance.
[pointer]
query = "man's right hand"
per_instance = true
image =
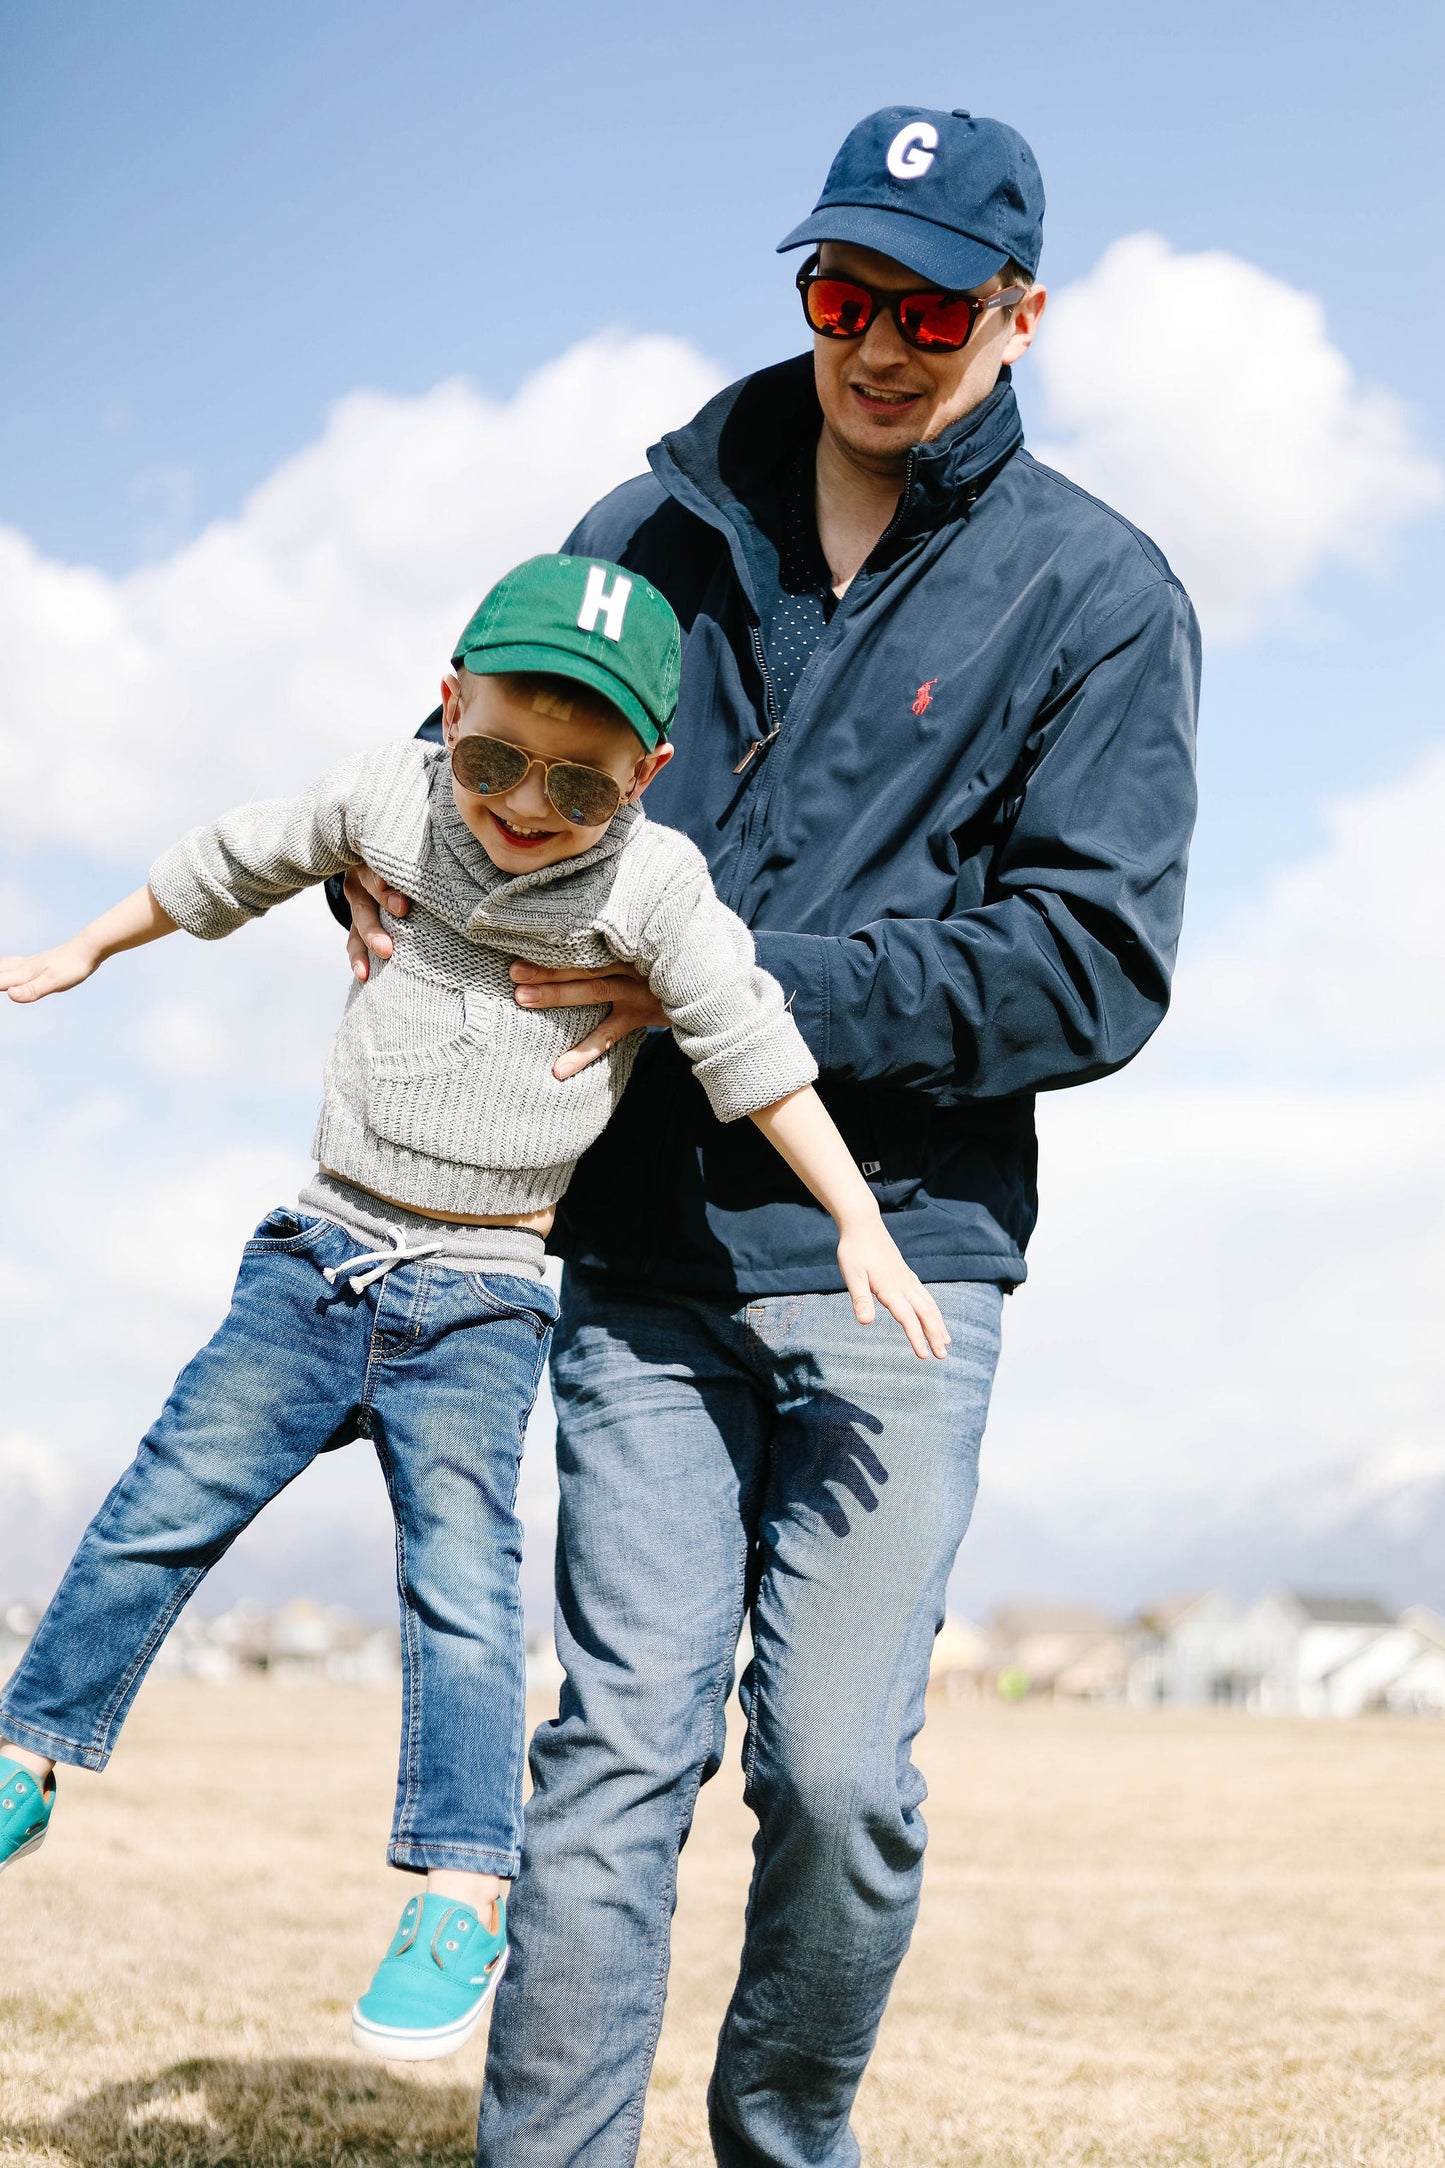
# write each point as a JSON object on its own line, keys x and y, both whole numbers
{"x": 368, "y": 937}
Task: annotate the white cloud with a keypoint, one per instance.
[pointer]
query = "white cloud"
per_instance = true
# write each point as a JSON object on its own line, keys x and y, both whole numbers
{"x": 1226, "y": 1285}
{"x": 1341, "y": 966}
{"x": 1244, "y": 1277}
{"x": 31, "y": 1470}
{"x": 321, "y": 616}
{"x": 1227, "y": 1279}
{"x": 1203, "y": 398}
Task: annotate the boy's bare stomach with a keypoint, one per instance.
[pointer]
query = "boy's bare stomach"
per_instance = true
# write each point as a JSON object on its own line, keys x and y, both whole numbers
{"x": 540, "y": 1222}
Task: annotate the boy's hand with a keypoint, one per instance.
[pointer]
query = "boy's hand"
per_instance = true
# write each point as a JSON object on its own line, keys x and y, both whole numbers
{"x": 872, "y": 1264}
{"x": 31, "y": 978}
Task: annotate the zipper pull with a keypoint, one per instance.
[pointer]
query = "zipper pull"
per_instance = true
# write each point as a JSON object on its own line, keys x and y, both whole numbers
{"x": 759, "y": 745}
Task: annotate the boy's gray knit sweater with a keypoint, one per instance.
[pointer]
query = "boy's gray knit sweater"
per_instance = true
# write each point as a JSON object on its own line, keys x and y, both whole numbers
{"x": 439, "y": 1089}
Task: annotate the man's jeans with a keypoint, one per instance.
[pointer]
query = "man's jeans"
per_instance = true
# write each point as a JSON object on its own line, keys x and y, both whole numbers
{"x": 439, "y": 1368}
{"x": 781, "y": 1460}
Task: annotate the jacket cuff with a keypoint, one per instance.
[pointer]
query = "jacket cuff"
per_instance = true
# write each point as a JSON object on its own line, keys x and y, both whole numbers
{"x": 184, "y": 896}
{"x": 800, "y": 964}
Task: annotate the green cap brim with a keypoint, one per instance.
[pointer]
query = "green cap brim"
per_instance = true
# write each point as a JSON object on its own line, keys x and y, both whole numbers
{"x": 559, "y": 662}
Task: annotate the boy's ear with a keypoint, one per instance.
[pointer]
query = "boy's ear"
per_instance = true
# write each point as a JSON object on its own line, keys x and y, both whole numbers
{"x": 451, "y": 711}
{"x": 651, "y": 764}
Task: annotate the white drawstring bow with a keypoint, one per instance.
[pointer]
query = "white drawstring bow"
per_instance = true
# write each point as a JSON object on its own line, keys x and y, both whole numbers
{"x": 381, "y": 1261}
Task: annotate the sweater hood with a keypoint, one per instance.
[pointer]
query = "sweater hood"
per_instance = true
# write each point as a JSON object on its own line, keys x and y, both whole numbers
{"x": 727, "y": 458}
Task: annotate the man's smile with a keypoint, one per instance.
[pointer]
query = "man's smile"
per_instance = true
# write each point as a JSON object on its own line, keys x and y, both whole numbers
{"x": 878, "y": 399}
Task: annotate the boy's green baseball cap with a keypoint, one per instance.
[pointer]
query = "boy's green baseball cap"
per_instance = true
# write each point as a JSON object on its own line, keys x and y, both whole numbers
{"x": 583, "y": 618}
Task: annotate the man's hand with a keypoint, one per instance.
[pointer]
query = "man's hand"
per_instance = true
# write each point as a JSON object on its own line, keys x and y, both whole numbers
{"x": 368, "y": 937}
{"x": 632, "y": 1005}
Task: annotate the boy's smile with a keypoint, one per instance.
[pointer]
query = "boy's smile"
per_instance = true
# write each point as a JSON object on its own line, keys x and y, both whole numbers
{"x": 519, "y": 828}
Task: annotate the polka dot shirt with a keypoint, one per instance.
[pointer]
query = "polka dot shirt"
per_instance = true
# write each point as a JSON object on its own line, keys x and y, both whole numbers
{"x": 806, "y": 600}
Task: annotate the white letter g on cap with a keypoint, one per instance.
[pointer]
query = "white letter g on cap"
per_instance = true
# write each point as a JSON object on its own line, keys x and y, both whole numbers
{"x": 910, "y": 154}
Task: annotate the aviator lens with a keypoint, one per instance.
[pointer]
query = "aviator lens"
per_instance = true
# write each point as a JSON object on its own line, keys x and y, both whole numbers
{"x": 486, "y": 765}
{"x": 584, "y": 796}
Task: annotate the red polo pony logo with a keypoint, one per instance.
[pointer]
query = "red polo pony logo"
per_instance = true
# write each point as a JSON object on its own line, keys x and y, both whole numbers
{"x": 923, "y": 696}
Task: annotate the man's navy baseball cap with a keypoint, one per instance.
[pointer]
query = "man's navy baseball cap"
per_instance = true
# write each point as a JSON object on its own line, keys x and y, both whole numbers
{"x": 950, "y": 196}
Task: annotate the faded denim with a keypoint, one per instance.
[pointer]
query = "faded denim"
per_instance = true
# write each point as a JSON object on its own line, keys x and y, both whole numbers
{"x": 773, "y": 1460}
{"x": 439, "y": 1369}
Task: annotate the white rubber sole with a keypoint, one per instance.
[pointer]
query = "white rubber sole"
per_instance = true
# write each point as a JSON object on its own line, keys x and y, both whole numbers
{"x": 402, "y": 2044}
{"x": 31, "y": 1844}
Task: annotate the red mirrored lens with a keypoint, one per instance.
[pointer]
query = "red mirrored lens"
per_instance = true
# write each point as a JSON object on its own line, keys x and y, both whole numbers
{"x": 838, "y": 308}
{"x": 939, "y": 320}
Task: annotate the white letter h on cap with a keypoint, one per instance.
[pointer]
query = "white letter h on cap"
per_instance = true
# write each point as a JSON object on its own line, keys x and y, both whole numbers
{"x": 597, "y": 602}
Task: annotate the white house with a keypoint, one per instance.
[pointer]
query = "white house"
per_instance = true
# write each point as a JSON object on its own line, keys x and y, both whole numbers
{"x": 1288, "y": 1655}
{"x": 1181, "y": 1650}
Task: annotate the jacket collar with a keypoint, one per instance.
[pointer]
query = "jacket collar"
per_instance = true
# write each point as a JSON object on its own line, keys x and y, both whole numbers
{"x": 726, "y": 461}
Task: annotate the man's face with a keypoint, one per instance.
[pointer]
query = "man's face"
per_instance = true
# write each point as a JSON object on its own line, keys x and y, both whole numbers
{"x": 521, "y": 829}
{"x": 881, "y": 396}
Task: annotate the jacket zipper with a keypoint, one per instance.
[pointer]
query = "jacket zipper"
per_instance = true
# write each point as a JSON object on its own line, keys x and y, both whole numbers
{"x": 770, "y": 703}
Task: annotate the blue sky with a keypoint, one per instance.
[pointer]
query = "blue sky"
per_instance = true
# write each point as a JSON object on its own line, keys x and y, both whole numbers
{"x": 222, "y": 224}
{"x": 221, "y": 220}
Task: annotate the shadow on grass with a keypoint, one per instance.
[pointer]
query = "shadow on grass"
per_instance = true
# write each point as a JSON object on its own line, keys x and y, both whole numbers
{"x": 280, "y": 2114}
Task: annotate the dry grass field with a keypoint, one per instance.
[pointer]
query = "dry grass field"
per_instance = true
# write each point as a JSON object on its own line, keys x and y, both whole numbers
{"x": 1147, "y": 1941}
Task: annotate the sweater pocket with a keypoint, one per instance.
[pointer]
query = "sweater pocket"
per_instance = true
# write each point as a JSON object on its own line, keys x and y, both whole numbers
{"x": 485, "y": 1096}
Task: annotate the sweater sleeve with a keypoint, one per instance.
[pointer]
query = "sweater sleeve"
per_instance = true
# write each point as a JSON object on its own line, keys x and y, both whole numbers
{"x": 728, "y": 1016}
{"x": 1063, "y": 972}
{"x": 237, "y": 867}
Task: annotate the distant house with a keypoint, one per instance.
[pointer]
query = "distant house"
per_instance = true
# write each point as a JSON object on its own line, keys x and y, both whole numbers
{"x": 1418, "y": 1687}
{"x": 1289, "y": 1654}
{"x": 960, "y": 1663}
{"x": 1322, "y": 1655}
{"x": 302, "y": 1644}
{"x": 1068, "y": 1651}
{"x": 1181, "y": 1650}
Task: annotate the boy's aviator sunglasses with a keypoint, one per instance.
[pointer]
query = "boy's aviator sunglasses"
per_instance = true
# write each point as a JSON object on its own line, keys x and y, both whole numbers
{"x": 933, "y": 321}
{"x": 585, "y": 797}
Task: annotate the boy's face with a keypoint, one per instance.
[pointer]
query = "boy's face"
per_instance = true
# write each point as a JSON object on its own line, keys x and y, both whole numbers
{"x": 520, "y": 829}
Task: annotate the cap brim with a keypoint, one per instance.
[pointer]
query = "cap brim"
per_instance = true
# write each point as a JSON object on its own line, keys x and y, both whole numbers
{"x": 952, "y": 260}
{"x": 560, "y": 662}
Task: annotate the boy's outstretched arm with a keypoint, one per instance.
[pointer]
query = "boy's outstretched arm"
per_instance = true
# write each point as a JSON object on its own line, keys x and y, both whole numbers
{"x": 125, "y": 925}
{"x": 801, "y": 1128}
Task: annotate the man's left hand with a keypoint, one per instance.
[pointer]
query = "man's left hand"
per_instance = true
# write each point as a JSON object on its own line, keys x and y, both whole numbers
{"x": 632, "y": 1005}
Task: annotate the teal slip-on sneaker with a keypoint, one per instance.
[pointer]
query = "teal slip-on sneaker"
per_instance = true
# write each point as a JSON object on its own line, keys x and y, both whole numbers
{"x": 433, "y": 1984}
{"x": 25, "y": 1805}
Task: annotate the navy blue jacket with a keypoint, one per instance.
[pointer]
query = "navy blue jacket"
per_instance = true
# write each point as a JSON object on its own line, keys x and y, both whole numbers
{"x": 962, "y": 854}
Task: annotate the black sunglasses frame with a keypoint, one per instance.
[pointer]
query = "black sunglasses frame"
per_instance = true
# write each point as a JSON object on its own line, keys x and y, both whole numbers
{"x": 895, "y": 302}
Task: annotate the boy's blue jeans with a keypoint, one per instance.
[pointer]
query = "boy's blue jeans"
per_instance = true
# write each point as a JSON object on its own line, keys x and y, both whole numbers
{"x": 773, "y": 1458}
{"x": 440, "y": 1369}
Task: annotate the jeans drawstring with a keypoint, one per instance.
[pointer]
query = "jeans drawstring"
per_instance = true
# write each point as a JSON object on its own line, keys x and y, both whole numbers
{"x": 381, "y": 1261}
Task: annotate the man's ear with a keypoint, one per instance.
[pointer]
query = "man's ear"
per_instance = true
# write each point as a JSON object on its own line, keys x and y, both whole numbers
{"x": 1026, "y": 322}
{"x": 651, "y": 764}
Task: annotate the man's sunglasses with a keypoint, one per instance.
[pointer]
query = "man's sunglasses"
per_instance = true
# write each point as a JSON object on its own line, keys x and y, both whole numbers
{"x": 934, "y": 322}
{"x": 584, "y": 796}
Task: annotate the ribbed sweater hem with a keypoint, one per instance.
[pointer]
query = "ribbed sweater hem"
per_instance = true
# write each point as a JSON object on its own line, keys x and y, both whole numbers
{"x": 434, "y": 1185}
